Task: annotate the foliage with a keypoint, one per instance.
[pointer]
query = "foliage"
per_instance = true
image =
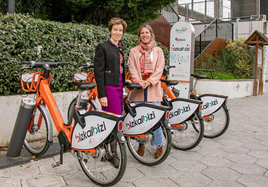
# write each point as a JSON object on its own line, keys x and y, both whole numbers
{"x": 235, "y": 59}
{"x": 26, "y": 38}
{"x": 97, "y": 12}
{"x": 243, "y": 57}
{"x": 218, "y": 75}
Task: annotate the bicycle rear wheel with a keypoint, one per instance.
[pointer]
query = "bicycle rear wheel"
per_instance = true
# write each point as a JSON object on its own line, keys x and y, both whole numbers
{"x": 189, "y": 135}
{"x": 149, "y": 152}
{"x": 99, "y": 167}
{"x": 36, "y": 139}
{"x": 216, "y": 123}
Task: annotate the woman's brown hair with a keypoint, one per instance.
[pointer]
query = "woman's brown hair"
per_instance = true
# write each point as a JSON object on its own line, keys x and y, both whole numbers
{"x": 115, "y": 21}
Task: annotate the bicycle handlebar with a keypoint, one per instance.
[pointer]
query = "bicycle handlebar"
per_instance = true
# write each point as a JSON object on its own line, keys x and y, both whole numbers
{"x": 87, "y": 65}
{"x": 166, "y": 69}
{"x": 44, "y": 64}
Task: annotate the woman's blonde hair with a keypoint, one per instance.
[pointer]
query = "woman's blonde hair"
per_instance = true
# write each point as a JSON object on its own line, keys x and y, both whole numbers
{"x": 151, "y": 31}
{"x": 116, "y": 21}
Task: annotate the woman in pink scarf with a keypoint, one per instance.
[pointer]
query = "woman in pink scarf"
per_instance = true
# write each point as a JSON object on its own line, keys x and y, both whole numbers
{"x": 146, "y": 63}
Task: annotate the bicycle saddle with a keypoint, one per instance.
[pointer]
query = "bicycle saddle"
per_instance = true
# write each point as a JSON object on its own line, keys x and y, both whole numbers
{"x": 85, "y": 85}
{"x": 170, "y": 82}
{"x": 199, "y": 76}
{"x": 133, "y": 86}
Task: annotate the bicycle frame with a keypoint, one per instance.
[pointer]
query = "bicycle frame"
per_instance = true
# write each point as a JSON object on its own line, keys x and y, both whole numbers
{"x": 97, "y": 123}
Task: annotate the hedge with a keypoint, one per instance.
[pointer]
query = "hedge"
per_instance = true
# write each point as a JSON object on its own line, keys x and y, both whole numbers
{"x": 25, "y": 38}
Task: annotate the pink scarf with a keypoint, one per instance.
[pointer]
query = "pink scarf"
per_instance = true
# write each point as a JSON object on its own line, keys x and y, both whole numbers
{"x": 146, "y": 64}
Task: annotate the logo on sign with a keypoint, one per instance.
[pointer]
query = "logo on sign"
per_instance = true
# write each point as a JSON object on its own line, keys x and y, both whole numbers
{"x": 182, "y": 30}
{"x": 180, "y": 48}
{"x": 93, "y": 130}
{"x": 140, "y": 120}
{"x": 179, "y": 111}
{"x": 180, "y": 39}
{"x": 209, "y": 104}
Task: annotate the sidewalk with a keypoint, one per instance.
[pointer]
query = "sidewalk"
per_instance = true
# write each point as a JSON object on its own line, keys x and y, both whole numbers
{"x": 238, "y": 158}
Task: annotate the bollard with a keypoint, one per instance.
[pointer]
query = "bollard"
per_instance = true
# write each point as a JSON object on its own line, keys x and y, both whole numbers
{"x": 23, "y": 120}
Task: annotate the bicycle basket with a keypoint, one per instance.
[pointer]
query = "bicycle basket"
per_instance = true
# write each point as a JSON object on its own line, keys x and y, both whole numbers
{"x": 175, "y": 91}
{"x": 83, "y": 76}
{"x": 29, "y": 81}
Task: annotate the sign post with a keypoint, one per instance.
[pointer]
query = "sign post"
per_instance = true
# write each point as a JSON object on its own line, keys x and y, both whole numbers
{"x": 182, "y": 45}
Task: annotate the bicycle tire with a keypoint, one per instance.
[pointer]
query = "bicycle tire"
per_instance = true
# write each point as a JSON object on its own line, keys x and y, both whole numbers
{"x": 216, "y": 123}
{"x": 90, "y": 103}
{"x": 148, "y": 157}
{"x": 100, "y": 170}
{"x": 36, "y": 141}
{"x": 189, "y": 135}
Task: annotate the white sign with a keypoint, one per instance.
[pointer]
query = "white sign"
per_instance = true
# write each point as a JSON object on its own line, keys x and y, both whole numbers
{"x": 182, "y": 56}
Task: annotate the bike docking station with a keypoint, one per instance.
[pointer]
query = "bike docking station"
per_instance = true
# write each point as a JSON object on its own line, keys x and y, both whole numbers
{"x": 23, "y": 120}
{"x": 182, "y": 45}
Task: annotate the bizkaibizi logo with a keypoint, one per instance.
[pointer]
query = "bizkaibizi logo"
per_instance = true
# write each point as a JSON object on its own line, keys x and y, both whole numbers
{"x": 140, "y": 120}
{"x": 90, "y": 132}
{"x": 179, "y": 111}
{"x": 209, "y": 104}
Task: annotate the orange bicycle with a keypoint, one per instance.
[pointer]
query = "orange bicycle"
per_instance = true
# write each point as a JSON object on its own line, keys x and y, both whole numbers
{"x": 140, "y": 120}
{"x": 185, "y": 118}
{"x": 88, "y": 137}
{"x": 215, "y": 112}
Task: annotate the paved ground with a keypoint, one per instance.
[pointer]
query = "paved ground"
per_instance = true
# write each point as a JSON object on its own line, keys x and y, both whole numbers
{"x": 239, "y": 158}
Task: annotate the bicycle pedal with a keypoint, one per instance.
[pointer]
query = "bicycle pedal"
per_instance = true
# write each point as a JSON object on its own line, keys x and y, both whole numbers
{"x": 56, "y": 164}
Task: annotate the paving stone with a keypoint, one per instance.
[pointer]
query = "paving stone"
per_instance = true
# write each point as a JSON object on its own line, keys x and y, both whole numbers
{"x": 247, "y": 168}
{"x": 207, "y": 151}
{"x": 60, "y": 170}
{"x": 151, "y": 180}
{"x": 78, "y": 178}
{"x": 131, "y": 175}
{"x": 158, "y": 170}
{"x": 253, "y": 180}
{"x": 258, "y": 153}
{"x": 262, "y": 163}
{"x": 20, "y": 172}
{"x": 190, "y": 179}
{"x": 254, "y": 146}
{"x": 219, "y": 183}
{"x": 221, "y": 173}
{"x": 43, "y": 181}
{"x": 7, "y": 182}
{"x": 234, "y": 149}
{"x": 187, "y": 155}
{"x": 188, "y": 165}
{"x": 240, "y": 158}
{"x": 216, "y": 161}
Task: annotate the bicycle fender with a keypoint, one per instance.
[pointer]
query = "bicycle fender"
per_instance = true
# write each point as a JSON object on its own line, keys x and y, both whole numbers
{"x": 211, "y": 103}
{"x": 146, "y": 117}
{"x": 120, "y": 137}
{"x": 182, "y": 109}
{"x": 96, "y": 130}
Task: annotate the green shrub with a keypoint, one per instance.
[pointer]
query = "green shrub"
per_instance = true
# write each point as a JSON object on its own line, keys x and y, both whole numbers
{"x": 243, "y": 62}
{"x": 235, "y": 61}
{"x": 26, "y": 38}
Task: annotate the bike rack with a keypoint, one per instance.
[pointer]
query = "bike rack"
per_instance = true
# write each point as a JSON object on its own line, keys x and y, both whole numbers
{"x": 23, "y": 120}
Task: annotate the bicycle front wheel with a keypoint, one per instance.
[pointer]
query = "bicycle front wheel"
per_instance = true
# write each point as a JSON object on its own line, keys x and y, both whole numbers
{"x": 148, "y": 158}
{"x": 36, "y": 138}
{"x": 216, "y": 123}
{"x": 188, "y": 135}
{"x": 91, "y": 105}
{"x": 100, "y": 167}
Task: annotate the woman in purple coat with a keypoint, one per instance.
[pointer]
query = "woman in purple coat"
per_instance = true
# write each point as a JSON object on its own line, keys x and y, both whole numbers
{"x": 109, "y": 73}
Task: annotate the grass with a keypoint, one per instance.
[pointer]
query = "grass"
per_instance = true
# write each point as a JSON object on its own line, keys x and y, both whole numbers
{"x": 219, "y": 76}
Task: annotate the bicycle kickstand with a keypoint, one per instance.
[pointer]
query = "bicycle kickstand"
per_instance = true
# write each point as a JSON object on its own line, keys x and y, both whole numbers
{"x": 61, "y": 158}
